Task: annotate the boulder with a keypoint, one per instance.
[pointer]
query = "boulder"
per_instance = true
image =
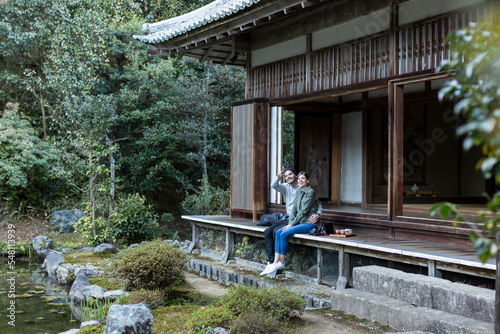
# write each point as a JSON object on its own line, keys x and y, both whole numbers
{"x": 89, "y": 271}
{"x": 103, "y": 248}
{"x": 81, "y": 282}
{"x": 62, "y": 274}
{"x": 114, "y": 294}
{"x": 92, "y": 291}
{"x": 90, "y": 323}
{"x": 42, "y": 244}
{"x": 218, "y": 330}
{"x": 134, "y": 318}
{"x": 63, "y": 220}
{"x": 52, "y": 261}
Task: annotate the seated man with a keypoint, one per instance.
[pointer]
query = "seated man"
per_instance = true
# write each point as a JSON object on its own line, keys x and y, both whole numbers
{"x": 288, "y": 189}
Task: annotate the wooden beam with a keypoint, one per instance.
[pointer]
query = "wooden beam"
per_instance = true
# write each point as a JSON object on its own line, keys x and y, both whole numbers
{"x": 207, "y": 53}
{"x": 308, "y": 87}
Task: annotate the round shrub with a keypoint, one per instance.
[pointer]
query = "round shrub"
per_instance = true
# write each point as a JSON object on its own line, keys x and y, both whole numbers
{"x": 152, "y": 265}
{"x": 211, "y": 317}
{"x": 133, "y": 220}
{"x": 277, "y": 301}
{"x": 257, "y": 322}
{"x": 154, "y": 298}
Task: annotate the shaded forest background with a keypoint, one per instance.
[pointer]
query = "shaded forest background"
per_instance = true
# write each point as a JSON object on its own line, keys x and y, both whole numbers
{"x": 88, "y": 120}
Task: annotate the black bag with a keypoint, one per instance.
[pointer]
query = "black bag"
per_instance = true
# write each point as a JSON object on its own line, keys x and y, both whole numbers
{"x": 269, "y": 219}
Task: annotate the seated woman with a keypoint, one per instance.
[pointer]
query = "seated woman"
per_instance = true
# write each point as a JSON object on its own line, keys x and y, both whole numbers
{"x": 304, "y": 205}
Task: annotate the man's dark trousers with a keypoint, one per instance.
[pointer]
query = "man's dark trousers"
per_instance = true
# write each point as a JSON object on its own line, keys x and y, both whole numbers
{"x": 269, "y": 237}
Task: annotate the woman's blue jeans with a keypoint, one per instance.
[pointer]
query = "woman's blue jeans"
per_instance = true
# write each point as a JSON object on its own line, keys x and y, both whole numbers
{"x": 281, "y": 239}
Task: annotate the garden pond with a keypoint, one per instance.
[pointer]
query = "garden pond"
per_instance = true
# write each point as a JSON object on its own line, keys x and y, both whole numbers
{"x": 41, "y": 305}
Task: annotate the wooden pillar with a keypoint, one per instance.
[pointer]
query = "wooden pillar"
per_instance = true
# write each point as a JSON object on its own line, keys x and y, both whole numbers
{"x": 261, "y": 149}
{"x": 395, "y": 150}
{"x": 319, "y": 260}
{"x": 228, "y": 251}
{"x": 308, "y": 62}
{"x": 393, "y": 39}
{"x": 195, "y": 237}
{"x": 431, "y": 268}
{"x": 335, "y": 190}
{"x": 343, "y": 263}
{"x": 367, "y": 169}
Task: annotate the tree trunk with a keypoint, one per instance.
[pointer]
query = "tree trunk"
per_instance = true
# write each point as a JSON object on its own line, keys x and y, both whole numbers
{"x": 497, "y": 289}
{"x": 44, "y": 118}
{"x": 112, "y": 167}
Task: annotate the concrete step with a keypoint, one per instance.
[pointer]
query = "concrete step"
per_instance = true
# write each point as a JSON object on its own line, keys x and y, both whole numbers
{"x": 404, "y": 316}
{"x": 430, "y": 292}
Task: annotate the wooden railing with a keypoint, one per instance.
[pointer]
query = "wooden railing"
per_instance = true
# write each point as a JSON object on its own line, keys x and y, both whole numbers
{"x": 423, "y": 45}
{"x": 419, "y": 46}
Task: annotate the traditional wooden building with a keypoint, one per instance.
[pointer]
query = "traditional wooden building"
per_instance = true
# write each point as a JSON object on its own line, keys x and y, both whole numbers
{"x": 360, "y": 77}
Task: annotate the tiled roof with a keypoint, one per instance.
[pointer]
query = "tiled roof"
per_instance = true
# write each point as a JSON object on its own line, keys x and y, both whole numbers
{"x": 164, "y": 30}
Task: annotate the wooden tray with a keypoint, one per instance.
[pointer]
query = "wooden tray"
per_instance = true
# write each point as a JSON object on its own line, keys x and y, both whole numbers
{"x": 343, "y": 235}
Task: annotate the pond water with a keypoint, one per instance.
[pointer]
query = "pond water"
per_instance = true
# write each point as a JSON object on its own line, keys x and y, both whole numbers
{"x": 41, "y": 305}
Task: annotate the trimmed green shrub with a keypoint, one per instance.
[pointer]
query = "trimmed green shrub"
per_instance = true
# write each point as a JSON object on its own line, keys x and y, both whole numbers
{"x": 277, "y": 301}
{"x": 154, "y": 298}
{"x": 257, "y": 322}
{"x": 152, "y": 265}
{"x": 133, "y": 220}
{"x": 247, "y": 309}
{"x": 211, "y": 317}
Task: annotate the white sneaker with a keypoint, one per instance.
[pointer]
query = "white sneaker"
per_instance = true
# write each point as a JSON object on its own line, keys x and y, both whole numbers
{"x": 266, "y": 270}
{"x": 276, "y": 266}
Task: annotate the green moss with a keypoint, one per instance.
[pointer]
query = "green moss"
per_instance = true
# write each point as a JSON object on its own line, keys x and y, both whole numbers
{"x": 173, "y": 320}
{"x": 94, "y": 329}
{"x": 108, "y": 283}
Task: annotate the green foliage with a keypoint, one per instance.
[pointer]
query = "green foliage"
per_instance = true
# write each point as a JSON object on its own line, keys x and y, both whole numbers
{"x": 247, "y": 309}
{"x": 118, "y": 119}
{"x": 207, "y": 200}
{"x": 94, "y": 309}
{"x": 133, "y": 220}
{"x": 288, "y": 138}
{"x": 258, "y": 322}
{"x": 24, "y": 157}
{"x": 152, "y": 265}
{"x": 94, "y": 232}
{"x": 475, "y": 90}
{"x": 475, "y": 61}
{"x": 277, "y": 301}
{"x": 154, "y": 298}
{"x": 211, "y": 317}
{"x": 250, "y": 251}
{"x": 21, "y": 248}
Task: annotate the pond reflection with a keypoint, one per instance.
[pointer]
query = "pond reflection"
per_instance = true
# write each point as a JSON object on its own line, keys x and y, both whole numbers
{"x": 41, "y": 305}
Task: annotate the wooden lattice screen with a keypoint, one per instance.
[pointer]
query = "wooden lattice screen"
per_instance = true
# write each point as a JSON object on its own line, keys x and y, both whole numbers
{"x": 419, "y": 46}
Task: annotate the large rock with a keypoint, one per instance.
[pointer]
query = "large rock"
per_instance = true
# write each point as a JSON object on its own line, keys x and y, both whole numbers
{"x": 80, "y": 283}
{"x": 114, "y": 294}
{"x": 93, "y": 291}
{"x": 103, "y": 248}
{"x": 52, "y": 261}
{"x": 63, "y": 220}
{"x": 135, "y": 318}
{"x": 42, "y": 244}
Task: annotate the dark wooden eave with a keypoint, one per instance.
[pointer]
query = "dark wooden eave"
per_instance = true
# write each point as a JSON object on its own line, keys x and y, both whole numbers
{"x": 227, "y": 41}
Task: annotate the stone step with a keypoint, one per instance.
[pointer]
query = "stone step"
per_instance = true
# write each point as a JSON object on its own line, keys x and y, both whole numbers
{"x": 404, "y": 316}
{"x": 430, "y": 292}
